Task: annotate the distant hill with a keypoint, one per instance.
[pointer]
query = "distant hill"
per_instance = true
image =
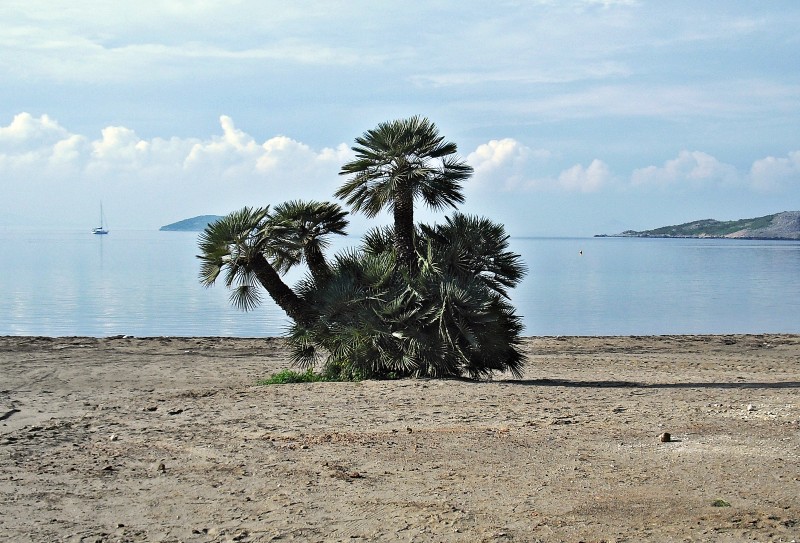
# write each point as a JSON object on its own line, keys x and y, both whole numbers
{"x": 195, "y": 224}
{"x": 784, "y": 225}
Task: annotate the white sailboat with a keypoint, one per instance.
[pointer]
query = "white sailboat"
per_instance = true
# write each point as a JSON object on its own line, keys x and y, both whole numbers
{"x": 100, "y": 229}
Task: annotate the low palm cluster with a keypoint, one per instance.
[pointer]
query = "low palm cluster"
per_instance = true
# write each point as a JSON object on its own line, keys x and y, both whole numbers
{"x": 413, "y": 299}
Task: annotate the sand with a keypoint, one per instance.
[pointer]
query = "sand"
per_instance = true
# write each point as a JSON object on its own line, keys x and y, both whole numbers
{"x": 168, "y": 439}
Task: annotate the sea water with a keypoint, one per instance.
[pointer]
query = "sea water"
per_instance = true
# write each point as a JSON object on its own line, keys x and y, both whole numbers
{"x": 639, "y": 286}
{"x": 145, "y": 283}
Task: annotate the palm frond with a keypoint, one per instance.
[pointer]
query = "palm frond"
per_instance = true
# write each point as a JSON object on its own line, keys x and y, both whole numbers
{"x": 474, "y": 246}
{"x": 245, "y": 297}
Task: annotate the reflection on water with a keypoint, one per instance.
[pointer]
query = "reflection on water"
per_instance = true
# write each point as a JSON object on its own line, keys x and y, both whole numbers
{"x": 145, "y": 283}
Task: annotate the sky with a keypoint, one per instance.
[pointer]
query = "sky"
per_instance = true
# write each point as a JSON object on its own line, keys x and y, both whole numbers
{"x": 579, "y": 117}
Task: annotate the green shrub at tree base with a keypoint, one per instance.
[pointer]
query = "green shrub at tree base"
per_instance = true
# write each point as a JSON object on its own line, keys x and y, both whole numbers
{"x": 288, "y": 376}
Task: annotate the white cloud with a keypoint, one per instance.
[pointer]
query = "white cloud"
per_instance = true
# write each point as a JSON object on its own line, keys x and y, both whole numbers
{"x": 68, "y": 150}
{"x": 340, "y": 154}
{"x": 118, "y": 147}
{"x": 509, "y": 165}
{"x": 161, "y": 178}
{"x": 771, "y": 173}
{"x": 118, "y": 144}
{"x": 233, "y": 148}
{"x": 34, "y": 145}
{"x": 506, "y": 165}
{"x": 236, "y": 153}
{"x": 25, "y": 129}
{"x": 503, "y": 163}
{"x": 694, "y": 167}
{"x": 590, "y": 179}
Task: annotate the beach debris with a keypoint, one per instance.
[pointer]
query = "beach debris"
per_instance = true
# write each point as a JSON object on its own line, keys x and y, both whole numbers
{"x": 665, "y": 437}
{"x": 161, "y": 468}
{"x": 751, "y": 407}
{"x": 720, "y": 503}
{"x": 9, "y": 413}
{"x": 113, "y": 437}
{"x": 241, "y": 536}
{"x": 342, "y": 472}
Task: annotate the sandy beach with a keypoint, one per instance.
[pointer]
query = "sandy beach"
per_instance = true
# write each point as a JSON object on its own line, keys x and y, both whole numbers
{"x": 170, "y": 439}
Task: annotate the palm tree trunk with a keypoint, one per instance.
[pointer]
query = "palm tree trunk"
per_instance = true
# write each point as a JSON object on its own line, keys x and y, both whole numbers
{"x": 315, "y": 259}
{"x": 297, "y": 308}
{"x": 404, "y": 231}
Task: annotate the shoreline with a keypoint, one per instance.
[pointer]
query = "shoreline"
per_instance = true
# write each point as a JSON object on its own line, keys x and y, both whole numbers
{"x": 524, "y": 338}
{"x": 169, "y": 439}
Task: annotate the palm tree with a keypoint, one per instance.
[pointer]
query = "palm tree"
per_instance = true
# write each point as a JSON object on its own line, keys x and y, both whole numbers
{"x": 413, "y": 300}
{"x": 397, "y": 162}
{"x": 304, "y": 228}
{"x": 239, "y": 244}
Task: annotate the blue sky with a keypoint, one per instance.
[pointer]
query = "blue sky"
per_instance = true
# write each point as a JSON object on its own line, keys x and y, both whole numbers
{"x": 579, "y": 116}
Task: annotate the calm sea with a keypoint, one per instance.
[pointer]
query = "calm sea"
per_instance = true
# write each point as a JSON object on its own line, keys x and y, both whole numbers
{"x": 144, "y": 283}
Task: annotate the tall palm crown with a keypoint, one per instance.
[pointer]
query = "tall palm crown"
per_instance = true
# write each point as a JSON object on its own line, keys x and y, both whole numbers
{"x": 396, "y": 162}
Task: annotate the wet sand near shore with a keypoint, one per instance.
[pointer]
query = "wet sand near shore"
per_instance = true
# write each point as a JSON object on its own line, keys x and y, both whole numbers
{"x": 170, "y": 439}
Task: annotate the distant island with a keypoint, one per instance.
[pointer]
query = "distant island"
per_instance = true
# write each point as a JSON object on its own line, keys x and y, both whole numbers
{"x": 195, "y": 224}
{"x": 784, "y": 225}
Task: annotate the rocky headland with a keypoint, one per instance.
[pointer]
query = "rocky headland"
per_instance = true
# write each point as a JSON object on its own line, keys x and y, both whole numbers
{"x": 785, "y": 225}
